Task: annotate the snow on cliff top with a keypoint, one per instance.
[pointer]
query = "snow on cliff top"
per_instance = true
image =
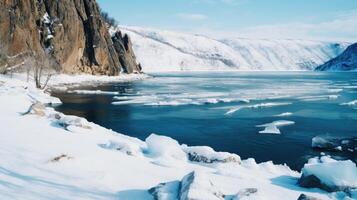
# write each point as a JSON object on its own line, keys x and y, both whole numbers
{"x": 48, "y": 155}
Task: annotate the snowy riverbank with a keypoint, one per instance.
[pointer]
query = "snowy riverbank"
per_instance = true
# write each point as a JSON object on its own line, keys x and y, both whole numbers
{"x": 47, "y": 155}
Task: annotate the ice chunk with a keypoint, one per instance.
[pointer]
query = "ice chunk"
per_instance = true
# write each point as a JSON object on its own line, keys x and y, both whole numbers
{"x": 166, "y": 191}
{"x": 196, "y": 186}
{"x": 329, "y": 174}
{"x": 164, "y": 147}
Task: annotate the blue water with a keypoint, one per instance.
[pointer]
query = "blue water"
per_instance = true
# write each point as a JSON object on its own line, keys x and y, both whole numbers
{"x": 198, "y": 109}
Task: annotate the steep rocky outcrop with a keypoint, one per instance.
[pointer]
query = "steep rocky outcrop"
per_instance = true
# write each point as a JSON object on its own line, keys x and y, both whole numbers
{"x": 347, "y": 61}
{"x": 71, "y": 32}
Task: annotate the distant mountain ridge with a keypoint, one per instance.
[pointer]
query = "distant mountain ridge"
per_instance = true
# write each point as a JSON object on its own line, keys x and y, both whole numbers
{"x": 160, "y": 50}
{"x": 347, "y": 61}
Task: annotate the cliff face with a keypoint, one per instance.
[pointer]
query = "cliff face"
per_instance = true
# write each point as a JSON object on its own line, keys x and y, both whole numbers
{"x": 72, "y": 32}
{"x": 347, "y": 61}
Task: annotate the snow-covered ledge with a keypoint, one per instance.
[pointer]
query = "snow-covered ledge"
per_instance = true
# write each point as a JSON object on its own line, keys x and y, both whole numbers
{"x": 45, "y": 154}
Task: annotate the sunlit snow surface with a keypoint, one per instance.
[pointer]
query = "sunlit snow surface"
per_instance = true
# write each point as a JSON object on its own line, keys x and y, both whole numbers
{"x": 225, "y": 110}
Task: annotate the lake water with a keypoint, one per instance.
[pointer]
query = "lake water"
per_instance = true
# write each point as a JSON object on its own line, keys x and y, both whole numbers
{"x": 224, "y": 109}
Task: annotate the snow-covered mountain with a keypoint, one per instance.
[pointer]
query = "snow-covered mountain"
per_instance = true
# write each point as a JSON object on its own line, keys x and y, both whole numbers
{"x": 347, "y": 61}
{"x": 172, "y": 51}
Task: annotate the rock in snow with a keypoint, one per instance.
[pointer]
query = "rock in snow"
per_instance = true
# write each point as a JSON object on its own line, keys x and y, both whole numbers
{"x": 208, "y": 155}
{"x": 192, "y": 52}
{"x": 330, "y": 175}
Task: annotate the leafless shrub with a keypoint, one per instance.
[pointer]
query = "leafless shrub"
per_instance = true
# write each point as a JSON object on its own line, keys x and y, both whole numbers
{"x": 42, "y": 68}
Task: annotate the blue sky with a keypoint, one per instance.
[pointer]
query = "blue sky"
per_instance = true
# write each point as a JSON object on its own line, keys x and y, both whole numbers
{"x": 311, "y": 19}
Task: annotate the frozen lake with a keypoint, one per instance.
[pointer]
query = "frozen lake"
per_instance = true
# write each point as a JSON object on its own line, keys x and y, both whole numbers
{"x": 264, "y": 115}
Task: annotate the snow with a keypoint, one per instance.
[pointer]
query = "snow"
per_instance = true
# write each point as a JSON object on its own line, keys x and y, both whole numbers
{"x": 192, "y": 52}
{"x": 272, "y": 128}
{"x": 333, "y": 173}
{"x": 66, "y": 157}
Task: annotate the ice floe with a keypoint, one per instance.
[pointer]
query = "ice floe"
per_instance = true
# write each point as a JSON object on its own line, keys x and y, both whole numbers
{"x": 96, "y": 92}
{"x": 273, "y": 128}
{"x": 255, "y": 106}
{"x": 286, "y": 114}
{"x": 351, "y": 103}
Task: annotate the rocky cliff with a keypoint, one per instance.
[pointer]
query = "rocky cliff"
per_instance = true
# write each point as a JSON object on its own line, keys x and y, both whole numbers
{"x": 71, "y": 32}
{"x": 347, "y": 61}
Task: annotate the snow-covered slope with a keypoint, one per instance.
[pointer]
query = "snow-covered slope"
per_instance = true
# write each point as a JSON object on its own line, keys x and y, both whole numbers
{"x": 172, "y": 51}
{"x": 347, "y": 61}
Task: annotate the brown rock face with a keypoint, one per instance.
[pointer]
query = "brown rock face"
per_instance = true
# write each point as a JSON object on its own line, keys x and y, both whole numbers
{"x": 72, "y": 32}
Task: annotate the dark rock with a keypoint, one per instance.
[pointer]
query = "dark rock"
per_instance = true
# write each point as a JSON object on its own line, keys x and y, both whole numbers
{"x": 305, "y": 197}
{"x": 347, "y": 61}
{"x": 312, "y": 181}
{"x": 71, "y": 32}
{"x": 327, "y": 143}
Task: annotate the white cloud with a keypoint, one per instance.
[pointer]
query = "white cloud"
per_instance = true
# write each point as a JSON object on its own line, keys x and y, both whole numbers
{"x": 343, "y": 27}
{"x": 192, "y": 16}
